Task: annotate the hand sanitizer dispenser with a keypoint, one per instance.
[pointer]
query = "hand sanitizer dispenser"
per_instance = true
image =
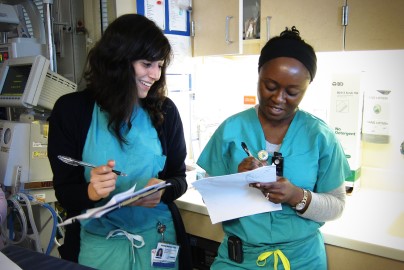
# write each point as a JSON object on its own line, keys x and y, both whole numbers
{"x": 376, "y": 116}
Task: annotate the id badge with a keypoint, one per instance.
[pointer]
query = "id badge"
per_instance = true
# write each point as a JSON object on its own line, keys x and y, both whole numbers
{"x": 165, "y": 255}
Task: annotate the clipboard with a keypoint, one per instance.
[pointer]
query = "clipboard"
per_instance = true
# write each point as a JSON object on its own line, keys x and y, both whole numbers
{"x": 118, "y": 200}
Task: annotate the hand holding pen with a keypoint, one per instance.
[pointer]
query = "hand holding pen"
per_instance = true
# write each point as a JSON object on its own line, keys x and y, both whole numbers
{"x": 249, "y": 163}
{"x": 74, "y": 162}
{"x": 102, "y": 182}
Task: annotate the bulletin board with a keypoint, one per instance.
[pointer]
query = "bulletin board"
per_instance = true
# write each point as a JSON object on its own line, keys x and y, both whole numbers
{"x": 167, "y": 14}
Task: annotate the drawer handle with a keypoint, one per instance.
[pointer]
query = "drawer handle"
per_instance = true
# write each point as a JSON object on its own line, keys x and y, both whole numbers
{"x": 228, "y": 41}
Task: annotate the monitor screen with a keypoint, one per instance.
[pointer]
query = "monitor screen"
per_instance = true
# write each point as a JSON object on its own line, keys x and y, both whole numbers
{"x": 28, "y": 82}
{"x": 21, "y": 81}
{"x": 16, "y": 80}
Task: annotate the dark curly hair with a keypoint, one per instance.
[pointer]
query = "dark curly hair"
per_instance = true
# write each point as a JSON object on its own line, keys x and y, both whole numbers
{"x": 110, "y": 75}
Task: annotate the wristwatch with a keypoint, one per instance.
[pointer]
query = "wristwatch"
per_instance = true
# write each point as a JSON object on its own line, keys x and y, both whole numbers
{"x": 300, "y": 205}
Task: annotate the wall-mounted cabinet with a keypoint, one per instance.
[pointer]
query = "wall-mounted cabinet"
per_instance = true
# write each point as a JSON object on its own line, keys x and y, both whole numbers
{"x": 375, "y": 25}
{"x": 252, "y": 26}
{"x": 371, "y": 24}
{"x": 226, "y": 27}
{"x": 217, "y": 27}
{"x": 319, "y": 22}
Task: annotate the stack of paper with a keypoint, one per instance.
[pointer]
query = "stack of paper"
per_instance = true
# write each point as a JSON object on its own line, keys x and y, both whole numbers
{"x": 229, "y": 196}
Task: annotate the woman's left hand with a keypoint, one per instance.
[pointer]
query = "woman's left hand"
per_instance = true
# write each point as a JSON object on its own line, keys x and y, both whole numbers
{"x": 152, "y": 200}
{"x": 281, "y": 191}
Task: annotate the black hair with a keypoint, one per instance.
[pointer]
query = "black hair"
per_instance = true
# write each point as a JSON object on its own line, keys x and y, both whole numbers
{"x": 110, "y": 74}
{"x": 289, "y": 44}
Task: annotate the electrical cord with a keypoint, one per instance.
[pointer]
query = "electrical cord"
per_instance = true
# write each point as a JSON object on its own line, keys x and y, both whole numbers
{"x": 54, "y": 217}
{"x": 9, "y": 239}
{"x": 16, "y": 203}
{"x": 54, "y": 227}
{"x": 60, "y": 231}
{"x": 35, "y": 233}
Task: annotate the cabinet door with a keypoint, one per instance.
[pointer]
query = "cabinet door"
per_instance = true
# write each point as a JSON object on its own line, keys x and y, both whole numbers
{"x": 375, "y": 25}
{"x": 319, "y": 21}
{"x": 214, "y": 34}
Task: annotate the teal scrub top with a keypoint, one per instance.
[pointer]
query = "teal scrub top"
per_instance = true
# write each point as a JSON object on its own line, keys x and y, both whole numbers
{"x": 135, "y": 227}
{"x": 313, "y": 160}
{"x": 141, "y": 159}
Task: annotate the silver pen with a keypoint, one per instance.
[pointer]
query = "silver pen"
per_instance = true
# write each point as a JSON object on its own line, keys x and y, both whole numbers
{"x": 74, "y": 162}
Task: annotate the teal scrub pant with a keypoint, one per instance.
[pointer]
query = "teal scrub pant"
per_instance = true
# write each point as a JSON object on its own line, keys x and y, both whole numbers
{"x": 118, "y": 252}
{"x": 307, "y": 254}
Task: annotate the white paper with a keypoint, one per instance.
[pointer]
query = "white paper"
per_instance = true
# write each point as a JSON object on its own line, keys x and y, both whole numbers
{"x": 182, "y": 50}
{"x": 117, "y": 201}
{"x": 156, "y": 11}
{"x": 228, "y": 197}
{"x": 177, "y": 17}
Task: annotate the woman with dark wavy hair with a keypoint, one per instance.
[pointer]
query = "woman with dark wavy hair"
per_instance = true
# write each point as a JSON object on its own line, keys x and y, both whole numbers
{"x": 122, "y": 120}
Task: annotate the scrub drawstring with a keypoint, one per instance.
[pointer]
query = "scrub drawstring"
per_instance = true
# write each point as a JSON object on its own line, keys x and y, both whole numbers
{"x": 262, "y": 259}
{"x": 131, "y": 237}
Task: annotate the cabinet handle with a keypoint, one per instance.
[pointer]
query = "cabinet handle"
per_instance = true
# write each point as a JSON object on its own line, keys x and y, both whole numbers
{"x": 344, "y": 23}
{"x": 345, "y": 10}
{"x": 228, "y": 41}
{"x": 268, "y": 20}
{"x": 192, "y": 28}
{"x": 402, "y": 148}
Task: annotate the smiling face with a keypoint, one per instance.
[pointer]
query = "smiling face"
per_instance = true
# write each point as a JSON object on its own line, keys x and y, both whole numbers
{"x": 282, "y": 84}
{"x": 146, "y": 73}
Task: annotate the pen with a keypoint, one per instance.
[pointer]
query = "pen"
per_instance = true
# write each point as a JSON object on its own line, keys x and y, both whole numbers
{"x": 245, "y": 148}
{"x": 74, "y": 162}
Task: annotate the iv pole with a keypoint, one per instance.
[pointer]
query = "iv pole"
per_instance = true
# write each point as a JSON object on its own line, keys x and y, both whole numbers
{"x": 47, "y": 7}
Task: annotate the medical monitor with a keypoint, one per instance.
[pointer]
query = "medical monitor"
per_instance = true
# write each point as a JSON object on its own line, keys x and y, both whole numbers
{"x": 28, "y": 82}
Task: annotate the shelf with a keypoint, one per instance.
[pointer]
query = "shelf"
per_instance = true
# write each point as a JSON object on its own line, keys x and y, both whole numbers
{"x": 251, "y": 46}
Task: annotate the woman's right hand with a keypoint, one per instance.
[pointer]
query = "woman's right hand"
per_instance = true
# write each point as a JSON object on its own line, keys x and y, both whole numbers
{"x": 250, "y": 163}
{"x": 102, "y": 181}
